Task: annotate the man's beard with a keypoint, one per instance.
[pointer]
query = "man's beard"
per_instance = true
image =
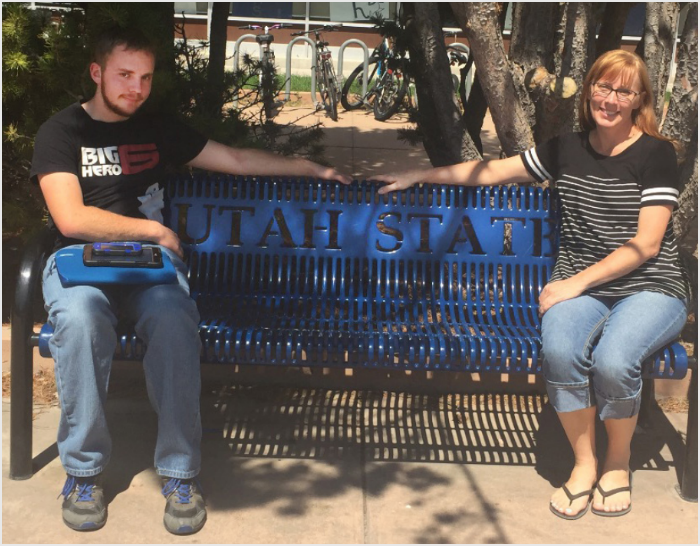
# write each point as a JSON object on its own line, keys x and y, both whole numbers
{"x": 116, "y": 109}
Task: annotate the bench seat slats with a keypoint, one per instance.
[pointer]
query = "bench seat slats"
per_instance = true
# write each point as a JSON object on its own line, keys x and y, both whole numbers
{"x": 310, "y": 345}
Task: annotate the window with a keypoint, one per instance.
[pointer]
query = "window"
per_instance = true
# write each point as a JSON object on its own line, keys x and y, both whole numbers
{"x": 197, "y": 8}
{"x": 269, "y": 10}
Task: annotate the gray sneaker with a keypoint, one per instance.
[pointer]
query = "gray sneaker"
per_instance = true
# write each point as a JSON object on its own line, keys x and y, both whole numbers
{"x": 185, "y": 512}
{"x": 84, "y": 506}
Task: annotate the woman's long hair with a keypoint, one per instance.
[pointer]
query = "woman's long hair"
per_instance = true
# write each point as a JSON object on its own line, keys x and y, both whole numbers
{"x": 628, "y": 65}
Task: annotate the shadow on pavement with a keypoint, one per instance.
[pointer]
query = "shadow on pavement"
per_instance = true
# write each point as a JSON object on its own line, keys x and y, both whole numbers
{"x": 259, "y": 441}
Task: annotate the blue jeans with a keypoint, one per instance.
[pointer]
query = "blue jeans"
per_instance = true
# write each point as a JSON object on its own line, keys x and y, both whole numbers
{"x": 83, "y": 344}
{"x": 593, "y": 349}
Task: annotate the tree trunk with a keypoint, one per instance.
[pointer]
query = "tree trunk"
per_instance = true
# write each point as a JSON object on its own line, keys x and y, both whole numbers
{"x": 476, "y": 106}
{"x": 682, "y": 117}
{"x": 445, "y": 137}
{"x": 555, "y": 103}
{"x": 217, "y": 57}
{"x": 532, "y": 48}
{"x": 685, "y": 219}
{"x": 613, "y": 25}
{"x": 681, "y": 124}
{"x": 659, "y": 36}
{"x": 575, "y": 37}
{"x": 479, "y": 22}
{"x": 532, "y": 38}
{"x": 162, "y": 31}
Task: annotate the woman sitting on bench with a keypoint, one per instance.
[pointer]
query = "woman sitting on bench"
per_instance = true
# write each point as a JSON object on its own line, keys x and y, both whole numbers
{"x": 617, "y": 292}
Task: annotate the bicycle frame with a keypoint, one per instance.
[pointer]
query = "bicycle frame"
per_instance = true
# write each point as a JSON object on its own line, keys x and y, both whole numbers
{"x": 326, "y": 79}
{"x": 382, "y": 53}
{"x": 267, "y": 59}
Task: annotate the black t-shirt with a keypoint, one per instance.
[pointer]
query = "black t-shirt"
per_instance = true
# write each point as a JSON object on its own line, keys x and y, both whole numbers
{"x": 600, "y": 198}
{"x": 120, "y": 165}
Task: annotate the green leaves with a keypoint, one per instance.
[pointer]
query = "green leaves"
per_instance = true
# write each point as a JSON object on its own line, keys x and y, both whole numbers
{"x": 15, "y": 61}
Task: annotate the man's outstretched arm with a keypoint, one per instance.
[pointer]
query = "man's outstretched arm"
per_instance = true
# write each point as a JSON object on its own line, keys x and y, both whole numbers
{"x": 220, "y": 158}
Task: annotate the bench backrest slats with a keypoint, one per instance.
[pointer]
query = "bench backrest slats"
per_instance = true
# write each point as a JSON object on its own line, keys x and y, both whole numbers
{"x": 314, "y": 251}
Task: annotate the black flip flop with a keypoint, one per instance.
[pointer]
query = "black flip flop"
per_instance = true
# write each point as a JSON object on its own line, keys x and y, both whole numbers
{"x": 606, "y": 494}
{"x": 572, "y": 498}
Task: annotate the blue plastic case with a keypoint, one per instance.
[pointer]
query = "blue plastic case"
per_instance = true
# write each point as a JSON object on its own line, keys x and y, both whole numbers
{"x": 73, "y": 272}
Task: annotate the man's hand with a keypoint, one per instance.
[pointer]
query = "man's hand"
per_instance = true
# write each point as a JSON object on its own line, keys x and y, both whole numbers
{"x": 558, "y": 291}
{"x": 329, "y": 173}
{"x": 399, "y": 181}
{"x": 170, "y": 240}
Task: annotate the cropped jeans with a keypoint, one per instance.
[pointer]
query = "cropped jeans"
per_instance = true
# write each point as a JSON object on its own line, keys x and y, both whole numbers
{"x": 594, "y": 347}
{"x": 83, "y": 344}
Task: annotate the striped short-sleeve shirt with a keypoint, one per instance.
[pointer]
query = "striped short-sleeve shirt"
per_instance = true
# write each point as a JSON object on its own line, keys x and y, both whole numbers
{"x": 600, "y": 198}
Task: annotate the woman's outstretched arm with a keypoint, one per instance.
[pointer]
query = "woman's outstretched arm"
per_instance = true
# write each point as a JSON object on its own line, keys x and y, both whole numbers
{"x": 472, "y": 173}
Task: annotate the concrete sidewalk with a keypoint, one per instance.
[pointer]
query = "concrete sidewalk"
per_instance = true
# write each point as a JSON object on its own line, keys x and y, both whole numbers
{"x": 325, "y": 458}
{"x": 362, "y": 146}
{"x": 327, "y": 465}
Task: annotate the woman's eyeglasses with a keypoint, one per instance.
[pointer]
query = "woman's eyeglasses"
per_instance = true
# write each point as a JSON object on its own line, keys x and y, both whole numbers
{"x": 623, "y": 94}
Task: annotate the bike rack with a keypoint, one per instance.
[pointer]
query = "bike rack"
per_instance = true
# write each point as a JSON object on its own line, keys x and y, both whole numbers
{"x": 288, "y": 76}
{"x": 365, "y": 69}
{"x": 237, "y": 54}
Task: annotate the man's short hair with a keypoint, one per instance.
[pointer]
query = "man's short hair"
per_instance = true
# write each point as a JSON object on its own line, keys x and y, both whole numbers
{"x": 130, "y": 38}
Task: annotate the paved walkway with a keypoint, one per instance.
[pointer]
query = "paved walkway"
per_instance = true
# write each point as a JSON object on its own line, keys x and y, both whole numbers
{"x": 324, "y": 459}
{"x": 326, "y": 465}
{"x": 362, "y": 146}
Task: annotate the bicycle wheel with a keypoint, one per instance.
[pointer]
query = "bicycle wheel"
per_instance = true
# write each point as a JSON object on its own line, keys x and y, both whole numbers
{"x": 390, "y": 94}
{"x": 329, "y": 91}
{"x": 353, "y": 99}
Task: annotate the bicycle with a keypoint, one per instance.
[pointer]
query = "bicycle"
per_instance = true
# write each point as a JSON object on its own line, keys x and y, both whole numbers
{"x": 266, "y": 79}
{"x": 387, "y": 83}
{"x": 457, "y": 57}
{"x": 326, "y": 80}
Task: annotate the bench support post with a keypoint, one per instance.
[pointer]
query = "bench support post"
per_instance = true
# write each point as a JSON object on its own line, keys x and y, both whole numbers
{"x": 688, "y": 488}
{"x": 22, "y": 357}
{"x": 647, "y": 403}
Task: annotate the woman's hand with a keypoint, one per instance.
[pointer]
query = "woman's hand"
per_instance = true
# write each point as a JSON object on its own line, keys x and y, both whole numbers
{"x": 399, "y": 181}
{"x": 558, "y": 291}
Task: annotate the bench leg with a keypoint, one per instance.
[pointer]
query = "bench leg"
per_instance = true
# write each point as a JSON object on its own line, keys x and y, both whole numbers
{"x": 688, "y": 488}
{"x": 22, "y": 371}
{"x": 22, "y": 353}
{"x": 647, "y": 404}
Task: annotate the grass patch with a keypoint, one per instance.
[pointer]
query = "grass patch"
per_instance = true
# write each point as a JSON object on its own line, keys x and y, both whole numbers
{"x": 299, "y": 83}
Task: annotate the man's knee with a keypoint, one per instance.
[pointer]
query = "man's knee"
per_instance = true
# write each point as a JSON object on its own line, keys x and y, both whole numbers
{"x": 82, "y": 308}
{"x": 168, "y": 306}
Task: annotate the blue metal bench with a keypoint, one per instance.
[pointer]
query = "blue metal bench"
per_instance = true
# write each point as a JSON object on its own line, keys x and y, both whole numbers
{"x": 304, "y": 273}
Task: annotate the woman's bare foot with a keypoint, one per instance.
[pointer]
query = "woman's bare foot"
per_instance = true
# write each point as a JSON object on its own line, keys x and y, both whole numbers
{"x": 612, "y": 479}
{"x": 583, "y": 478}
